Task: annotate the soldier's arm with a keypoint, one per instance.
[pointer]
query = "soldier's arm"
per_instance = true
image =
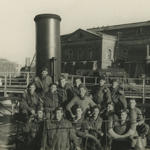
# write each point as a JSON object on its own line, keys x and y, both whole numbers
{"x": 123, "y": 101}
{"x": 69, "y": 106}
{"x": 91, "y": 102}
{"x": 108, "y": 95}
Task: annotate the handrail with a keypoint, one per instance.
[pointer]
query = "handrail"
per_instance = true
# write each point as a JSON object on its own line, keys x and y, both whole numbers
{"x": 9, "y": 82}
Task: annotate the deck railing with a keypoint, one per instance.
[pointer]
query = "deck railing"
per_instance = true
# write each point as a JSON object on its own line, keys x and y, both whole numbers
{"x": 11, "y": 82}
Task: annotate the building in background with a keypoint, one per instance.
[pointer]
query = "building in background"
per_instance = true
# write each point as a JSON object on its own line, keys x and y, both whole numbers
{"x": 83, "y": 52}
{"x": 125, "y": 46}
{"x": 132, "y": 47}
{"x": 9, "y": 66}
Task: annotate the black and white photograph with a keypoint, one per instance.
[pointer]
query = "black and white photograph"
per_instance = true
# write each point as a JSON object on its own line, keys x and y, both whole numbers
{"x": 74, "y": 75}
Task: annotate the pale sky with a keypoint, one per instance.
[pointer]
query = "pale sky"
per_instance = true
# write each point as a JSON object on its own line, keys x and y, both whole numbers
{"x": 17, "y": 26}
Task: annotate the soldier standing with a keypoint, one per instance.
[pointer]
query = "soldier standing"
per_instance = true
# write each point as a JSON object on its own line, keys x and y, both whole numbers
{"x": 118, "y": 97}
{"x": 51, "y": 101}
{"x": 76, "y": 90}
{"x": 30, "y": 103}
{"x": 65, "y": 92}
{"x": 46, "y": 80}
{"x": 103, "y": 95}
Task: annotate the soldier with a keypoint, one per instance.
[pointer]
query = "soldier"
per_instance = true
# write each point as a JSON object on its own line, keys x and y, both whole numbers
{"x": 30, "y": 103}
{"x": 103, "y": 95}
{"x": 95, "y": 128}
{"x": 78, "y": 123}
{"x": 118, "y": 97}
{"x": 60, "y": 133}
{"x": 39, "y": 86}
{"x": 122, "y": 129}
{"x": 46, "y": 80}
{"x": 141, "y": 127}
{"x": 33, "y": 132}
{"x": 84, "y": 101}
{"x": 76, "y": 90}
{"x": 65, "y": 92}
{"x": 51, "y": 101}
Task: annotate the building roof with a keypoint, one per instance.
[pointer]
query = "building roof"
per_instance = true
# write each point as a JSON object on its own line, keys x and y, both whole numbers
{"x": 122, "y": 26}
{"x": 96, "y": 34}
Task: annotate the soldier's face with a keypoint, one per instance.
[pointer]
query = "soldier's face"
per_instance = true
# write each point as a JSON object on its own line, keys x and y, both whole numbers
{"x": 101, "y": 82}
{"x": 82, "y": 92}
{"x": 44, "y": 73}
{"x": 96, "y": 112}
{"x": 63, "y": 82}
{"x": 53, "y": 88}
{"x": 32, "y": 88}
{"x": 132, "y": 104}
{"x": 77, "y": 82}
{"x": 123, "y": 116}
{"x": 40, "y": 114}
{"x": 79, "y": 112}
{"x": 59, "y": 115}
{"x": 115, "y": 84}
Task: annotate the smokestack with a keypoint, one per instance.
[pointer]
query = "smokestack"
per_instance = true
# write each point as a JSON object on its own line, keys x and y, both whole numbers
{"x": 48, "y": 53}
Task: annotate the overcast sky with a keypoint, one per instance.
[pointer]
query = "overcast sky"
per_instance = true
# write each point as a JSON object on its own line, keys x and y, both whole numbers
{"x": 17, "y": 26}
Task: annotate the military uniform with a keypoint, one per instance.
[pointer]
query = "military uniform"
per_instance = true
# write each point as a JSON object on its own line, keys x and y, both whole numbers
{"x": 51, "y": 102}
{"x": 46, "y": 81}
{"x": 103, "y": 97}
{"x": 76, "y": 91}
{"x": 60, "y": 134}
{"x": 95, "y": 129}
{"x": 65, "y": 94}
{"x": 85, "y": 103}
{"x": 142, "y": 128}
{"x": 80, "y": 133}
{"x": 122, "y": 128}
{"x": 30, "y": 102}
{"x": 118, "y": 99}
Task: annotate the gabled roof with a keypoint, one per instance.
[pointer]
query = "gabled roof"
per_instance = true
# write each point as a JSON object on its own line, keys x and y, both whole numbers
{"x": 70, "y": 35}
{"x": 122, "y": 26}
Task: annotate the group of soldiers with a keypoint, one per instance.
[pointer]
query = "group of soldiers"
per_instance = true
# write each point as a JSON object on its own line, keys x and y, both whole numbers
{"x": 63, "y": 116}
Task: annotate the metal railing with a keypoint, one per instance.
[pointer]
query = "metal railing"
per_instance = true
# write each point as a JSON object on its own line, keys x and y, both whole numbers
{"x": 132, "y": 87}
{"x": 11, "y": 82}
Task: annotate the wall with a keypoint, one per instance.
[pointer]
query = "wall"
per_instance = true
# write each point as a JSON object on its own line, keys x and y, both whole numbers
{"x": 108, "y": 47}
